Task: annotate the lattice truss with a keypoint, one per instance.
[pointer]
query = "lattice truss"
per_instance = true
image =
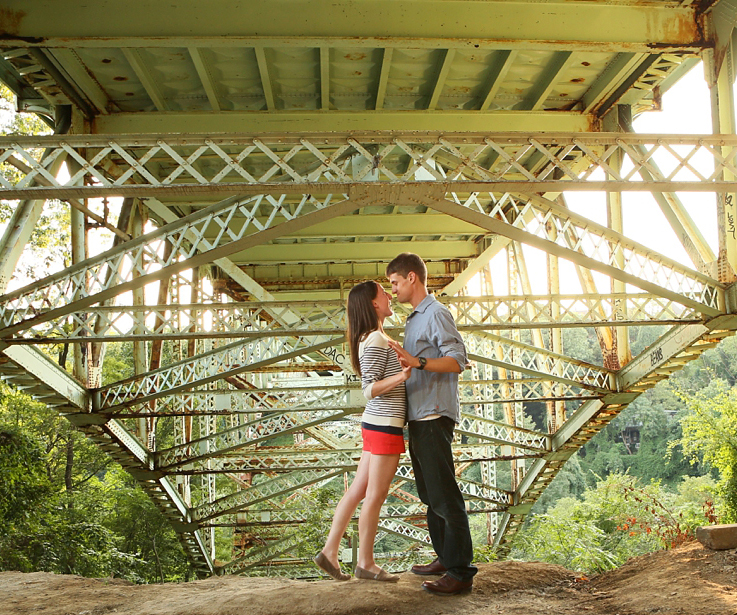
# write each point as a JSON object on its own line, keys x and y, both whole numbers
{"x": 244, "y": 407}
{"x": 138, "y": 164}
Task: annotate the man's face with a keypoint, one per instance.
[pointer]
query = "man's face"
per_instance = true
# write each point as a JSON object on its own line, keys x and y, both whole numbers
{"x": 401, "y": 286}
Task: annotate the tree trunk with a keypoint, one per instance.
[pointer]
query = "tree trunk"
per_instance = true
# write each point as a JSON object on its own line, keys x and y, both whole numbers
{"x": 68, "y": 469}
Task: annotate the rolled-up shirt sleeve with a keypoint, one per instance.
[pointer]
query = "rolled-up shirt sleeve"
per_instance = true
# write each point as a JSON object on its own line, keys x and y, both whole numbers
{"x": 446, "y": 337}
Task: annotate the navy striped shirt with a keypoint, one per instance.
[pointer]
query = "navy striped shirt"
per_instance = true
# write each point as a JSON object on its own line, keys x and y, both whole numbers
{"x": 387, "y": 412}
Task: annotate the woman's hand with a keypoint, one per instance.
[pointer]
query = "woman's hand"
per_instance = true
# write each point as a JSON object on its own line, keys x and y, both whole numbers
{"x": 405, "y": 358}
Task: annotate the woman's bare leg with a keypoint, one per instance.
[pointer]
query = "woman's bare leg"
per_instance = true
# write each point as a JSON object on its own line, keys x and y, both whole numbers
{"x": 345, "y": 509}
{"x": 382, "y": 469}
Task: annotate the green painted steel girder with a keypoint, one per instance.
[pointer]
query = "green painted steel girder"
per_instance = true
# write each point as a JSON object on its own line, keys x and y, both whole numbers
{"x": 626, "y": 26}
{"x": 385, "y": 225}
{"x": 354, "y": 251}
{"x": 346, "y": 121}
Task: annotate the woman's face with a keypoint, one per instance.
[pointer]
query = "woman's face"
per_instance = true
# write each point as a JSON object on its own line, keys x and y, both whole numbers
{"x": 382, "y": 303}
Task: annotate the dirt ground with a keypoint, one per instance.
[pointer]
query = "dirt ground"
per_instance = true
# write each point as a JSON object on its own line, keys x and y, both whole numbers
{"x": 689, "y": 580}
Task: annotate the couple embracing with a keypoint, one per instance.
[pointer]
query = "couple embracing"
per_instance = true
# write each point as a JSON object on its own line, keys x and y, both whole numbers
{"x": 417, "y": 384}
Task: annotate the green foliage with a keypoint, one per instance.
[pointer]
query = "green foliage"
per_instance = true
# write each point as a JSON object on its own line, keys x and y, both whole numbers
{"x": 319, "y": 505}
{"x": 655, "y": 415}
{"x": 618, "y": 518}
{"x": 65, "y": 507}
{"x": 575, "y": 544}
{"x": 710, "y": 436}
{"x": 118, "y": 363}
{"x": 24, "y": 481}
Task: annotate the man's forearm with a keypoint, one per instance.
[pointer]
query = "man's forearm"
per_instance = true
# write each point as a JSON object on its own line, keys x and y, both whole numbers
{"x": 443, "y": 365}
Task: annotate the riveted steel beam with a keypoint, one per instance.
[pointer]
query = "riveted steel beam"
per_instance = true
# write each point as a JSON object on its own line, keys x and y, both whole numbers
{"x": 37, "y": 367}
{"x": 626, "y": 26}
{"x": 248, "y": 434}
{"x": 342, "y": 121}
{"x": 537, "y": 362}
{"x": 263, "y": 491}
{"x": 273, "y": 461}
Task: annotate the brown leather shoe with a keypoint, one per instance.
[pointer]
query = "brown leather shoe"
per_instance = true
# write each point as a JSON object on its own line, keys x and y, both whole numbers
{"x": 447, "y": 586}
{"x": 434, "y": 567}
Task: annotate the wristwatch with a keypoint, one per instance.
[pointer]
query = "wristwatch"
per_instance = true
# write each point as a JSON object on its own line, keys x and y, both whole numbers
{"x": 423, "y": 362}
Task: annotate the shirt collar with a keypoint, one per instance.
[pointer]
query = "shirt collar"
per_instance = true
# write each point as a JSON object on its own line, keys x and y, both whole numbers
{"x": 423, "y": 305}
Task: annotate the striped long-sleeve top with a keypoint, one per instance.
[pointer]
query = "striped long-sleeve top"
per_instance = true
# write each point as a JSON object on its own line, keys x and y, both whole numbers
{"x": 387, "y": 412}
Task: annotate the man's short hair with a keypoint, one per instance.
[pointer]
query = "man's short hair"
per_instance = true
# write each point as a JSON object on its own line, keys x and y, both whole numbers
{"x": 406, "y": 262}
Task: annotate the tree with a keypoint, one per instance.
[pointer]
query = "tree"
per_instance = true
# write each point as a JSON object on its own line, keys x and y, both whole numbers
{"x": 24, "y": 481}
{"x": 710, "y": 436}
{"x": 66, "y": 507}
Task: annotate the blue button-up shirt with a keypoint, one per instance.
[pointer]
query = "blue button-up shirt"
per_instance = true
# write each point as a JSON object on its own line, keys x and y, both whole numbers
{"x": 431, "y": 332}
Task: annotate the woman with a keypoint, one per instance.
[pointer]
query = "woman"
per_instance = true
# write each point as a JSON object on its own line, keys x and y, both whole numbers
{"x": 382, "y": 379}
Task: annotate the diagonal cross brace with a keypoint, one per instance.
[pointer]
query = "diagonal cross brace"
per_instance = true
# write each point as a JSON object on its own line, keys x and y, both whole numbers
{"x": 17, "y": 309}
{"x": 706, "y": 300}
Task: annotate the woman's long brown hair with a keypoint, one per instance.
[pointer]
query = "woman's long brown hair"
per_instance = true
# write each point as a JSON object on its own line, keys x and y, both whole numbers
{"x": 362, "y": 317}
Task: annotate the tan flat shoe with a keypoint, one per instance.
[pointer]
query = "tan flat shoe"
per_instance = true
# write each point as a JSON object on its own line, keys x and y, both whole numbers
{"x": 323, "y": 563}
{"x": 382, "y": 575}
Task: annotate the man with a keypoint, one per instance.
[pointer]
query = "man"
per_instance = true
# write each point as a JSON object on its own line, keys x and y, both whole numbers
{"x": 435, "y": 350}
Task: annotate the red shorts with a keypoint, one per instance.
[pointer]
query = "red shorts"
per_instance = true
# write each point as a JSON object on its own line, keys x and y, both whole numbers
{"x": 380, "y": 443}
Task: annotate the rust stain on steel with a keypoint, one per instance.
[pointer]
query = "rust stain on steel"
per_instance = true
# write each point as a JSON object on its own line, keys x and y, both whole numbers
{"x": 10, "y": 22}
{"x": 692, "y": 31}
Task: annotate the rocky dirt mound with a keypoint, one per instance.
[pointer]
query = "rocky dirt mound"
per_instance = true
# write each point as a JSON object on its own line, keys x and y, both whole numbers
{"x": 690, "y": 580}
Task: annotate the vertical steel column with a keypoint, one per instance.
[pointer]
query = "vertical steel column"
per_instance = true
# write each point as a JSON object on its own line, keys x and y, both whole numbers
{"x": 510, "y": 408}
{"x": 620, "y": 335}
{"x": 79, "y": 253}
{"x": 182, "y": 424}
{"x": 96, "y": 350}
{"x": 556, "y": 409}
{"x": 157, "y": 348}
{"x": 140, "y": 363}
{"x": 720, "y": 75}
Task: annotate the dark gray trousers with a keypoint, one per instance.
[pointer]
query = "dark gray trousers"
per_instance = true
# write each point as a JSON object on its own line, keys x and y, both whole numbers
{"x": 447, "y": 520}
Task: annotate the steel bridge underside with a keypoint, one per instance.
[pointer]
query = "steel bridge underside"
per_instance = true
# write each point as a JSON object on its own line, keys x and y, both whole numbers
{"x": 254, "y": 171}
